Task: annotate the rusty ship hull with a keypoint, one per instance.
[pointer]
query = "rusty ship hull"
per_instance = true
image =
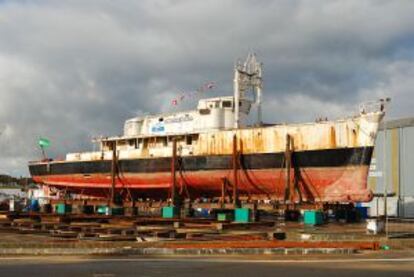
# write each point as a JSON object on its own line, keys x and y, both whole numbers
{"x": 329, "y": 163}
{"x": 336, "y": 175}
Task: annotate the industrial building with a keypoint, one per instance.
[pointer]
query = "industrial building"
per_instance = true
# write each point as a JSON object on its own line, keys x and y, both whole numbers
{"x": 394, "y": 151}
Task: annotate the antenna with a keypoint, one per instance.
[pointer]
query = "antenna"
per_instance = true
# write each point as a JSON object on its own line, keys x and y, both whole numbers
{"x": 247, "y": 76}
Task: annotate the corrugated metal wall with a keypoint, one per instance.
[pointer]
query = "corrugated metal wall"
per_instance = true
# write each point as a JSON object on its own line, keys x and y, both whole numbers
{"x": 399, "y": 164}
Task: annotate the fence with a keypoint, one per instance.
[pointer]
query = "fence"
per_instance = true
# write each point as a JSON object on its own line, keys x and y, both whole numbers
{"x": 399, "y": 227}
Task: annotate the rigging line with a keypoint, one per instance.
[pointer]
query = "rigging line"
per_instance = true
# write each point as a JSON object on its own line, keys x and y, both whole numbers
{"x": 184, "y": 181}
{"x": 186, "y": 187}
{"x": 229, "y": 173}
{"x": 311, "y": 185}
{"x": 249, "y": 179}
{"x": 280, "y": 174}
{"x": 298, "y": 181}
{"x": 180, "y": 180}
{"x": 64, "y": 192}
{"x": 82, "y": 191}
{"x": 107, "y": 193}
{"x": 123, "y": 181}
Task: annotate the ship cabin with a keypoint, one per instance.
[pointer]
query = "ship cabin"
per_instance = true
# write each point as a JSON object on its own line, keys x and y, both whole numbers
{"x": 153, "y": 135}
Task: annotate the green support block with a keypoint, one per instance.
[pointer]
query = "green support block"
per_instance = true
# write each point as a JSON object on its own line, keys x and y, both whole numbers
{"x": 313, "y": 217}
{"x": 223, "y": 217}
{"x": 170, "y": 212}
{"x": 63, "y": 209}
{"x": 106, "y": 210}
{"x": 102, "y": 210}
{"x": 242, "y": 215}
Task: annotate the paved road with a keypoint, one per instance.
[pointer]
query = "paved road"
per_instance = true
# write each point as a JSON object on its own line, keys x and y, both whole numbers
{"x": 108, "y": 267}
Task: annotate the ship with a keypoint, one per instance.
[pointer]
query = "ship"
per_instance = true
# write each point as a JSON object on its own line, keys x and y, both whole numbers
{"x": 222, "y": 148}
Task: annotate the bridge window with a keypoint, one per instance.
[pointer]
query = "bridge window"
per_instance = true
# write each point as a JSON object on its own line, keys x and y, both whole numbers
{"x": 162, "y": 141}
{"x": 227, "y": 104}
{"x": 133, "y": 143}
{"x": 189, "y": 140}
{"x": 204, "y": 111}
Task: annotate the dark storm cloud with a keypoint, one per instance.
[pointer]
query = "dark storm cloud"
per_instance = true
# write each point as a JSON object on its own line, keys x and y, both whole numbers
{"x": 71, "y": 70}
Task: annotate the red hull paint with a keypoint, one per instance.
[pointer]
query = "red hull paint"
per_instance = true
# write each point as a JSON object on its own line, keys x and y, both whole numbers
{"x": 335, "y": 184}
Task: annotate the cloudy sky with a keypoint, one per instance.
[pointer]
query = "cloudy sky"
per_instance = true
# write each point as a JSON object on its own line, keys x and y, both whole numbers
{"x": 72, "y": 70}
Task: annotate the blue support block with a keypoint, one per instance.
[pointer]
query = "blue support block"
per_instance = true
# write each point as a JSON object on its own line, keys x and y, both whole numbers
{"x": 362, "y": 212}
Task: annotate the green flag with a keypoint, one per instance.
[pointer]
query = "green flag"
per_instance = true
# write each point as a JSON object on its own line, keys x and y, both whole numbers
{"x": 44, "y": 143}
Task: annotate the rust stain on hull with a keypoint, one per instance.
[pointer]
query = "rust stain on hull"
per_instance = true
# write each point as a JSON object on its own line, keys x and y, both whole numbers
{"x": 343, "y": 184}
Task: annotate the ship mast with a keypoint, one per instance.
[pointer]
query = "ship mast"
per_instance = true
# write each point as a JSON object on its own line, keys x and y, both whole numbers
{"x": 247, "y": 75}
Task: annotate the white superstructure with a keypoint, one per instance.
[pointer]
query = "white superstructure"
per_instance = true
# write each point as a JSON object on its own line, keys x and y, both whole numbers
{"x": 211, "y": 114}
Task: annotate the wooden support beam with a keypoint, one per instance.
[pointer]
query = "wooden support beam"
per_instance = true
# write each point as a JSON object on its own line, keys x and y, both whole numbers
{"x": 223, "y": 190}
{"x": 288, "y": 164}
{"x": 173, "y": 172}
{"x": 113, "y": 172}
{"x": 235, "y": 172}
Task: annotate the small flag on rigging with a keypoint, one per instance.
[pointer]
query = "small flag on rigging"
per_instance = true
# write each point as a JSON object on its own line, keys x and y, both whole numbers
{"x": 207, "y": 86}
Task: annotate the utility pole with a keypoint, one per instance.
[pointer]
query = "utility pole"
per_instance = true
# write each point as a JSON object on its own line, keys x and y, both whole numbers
{"x": 384, "y": 102}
